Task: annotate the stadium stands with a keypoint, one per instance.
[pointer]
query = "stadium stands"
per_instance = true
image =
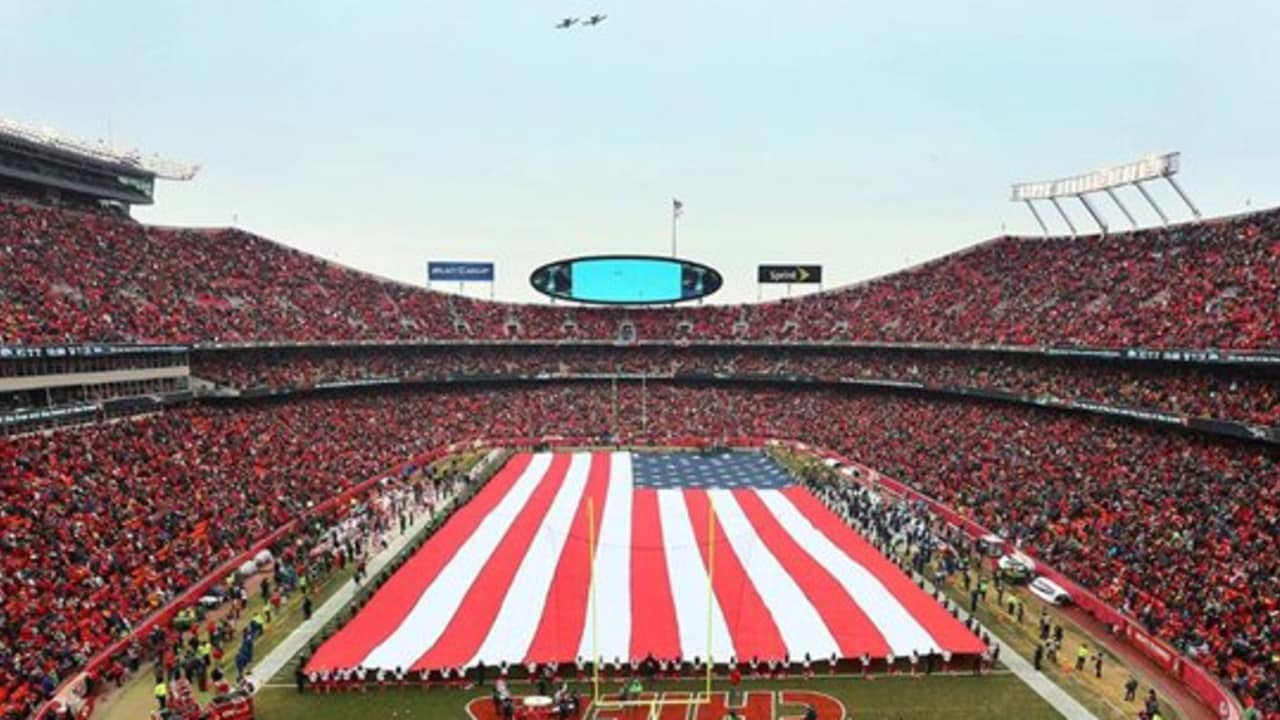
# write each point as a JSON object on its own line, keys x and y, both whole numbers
{"x": 104, "y": 524}
{"x": 1223, "y": 393}
{"x": 1144, "y": 517}
{"x": 101, "y": 524}
{"x": 78, "y": 277}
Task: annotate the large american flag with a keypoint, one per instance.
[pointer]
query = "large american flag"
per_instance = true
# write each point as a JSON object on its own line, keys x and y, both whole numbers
{"x": 508, "y": 577}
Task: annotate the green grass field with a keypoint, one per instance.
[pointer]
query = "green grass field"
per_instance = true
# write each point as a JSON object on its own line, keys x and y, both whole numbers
{"x": 896, "y": 698}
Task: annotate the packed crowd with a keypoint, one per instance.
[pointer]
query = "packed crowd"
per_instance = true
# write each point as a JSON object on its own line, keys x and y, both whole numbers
{"x": 103, "y": 524}
{"x": 79, "y": 277}
{"x": 1223, "y": 393}
{"x": 1173, "y": 528}
{"x": 197, "y": 647}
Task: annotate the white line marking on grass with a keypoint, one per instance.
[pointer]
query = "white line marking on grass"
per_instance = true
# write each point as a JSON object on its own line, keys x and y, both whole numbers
{"x": 1051, "y": 692}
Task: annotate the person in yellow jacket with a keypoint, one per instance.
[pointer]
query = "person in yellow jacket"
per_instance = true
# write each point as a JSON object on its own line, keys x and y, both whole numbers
{"x": 162, "y": 693}
{"x": 205, "y": 654}
{"x": 1081, "y": 656}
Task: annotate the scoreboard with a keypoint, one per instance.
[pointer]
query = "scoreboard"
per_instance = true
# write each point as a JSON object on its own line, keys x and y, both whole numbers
{"x": 626, "y": 280}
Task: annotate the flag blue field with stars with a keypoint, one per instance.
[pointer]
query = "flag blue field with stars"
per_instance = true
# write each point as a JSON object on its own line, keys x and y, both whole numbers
{"x": 724, "y": 470}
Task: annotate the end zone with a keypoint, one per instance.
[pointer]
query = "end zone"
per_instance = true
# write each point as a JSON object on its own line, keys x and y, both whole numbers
{"x": 755, "y": 705}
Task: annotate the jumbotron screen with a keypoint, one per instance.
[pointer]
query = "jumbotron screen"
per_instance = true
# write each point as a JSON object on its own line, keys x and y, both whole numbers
{"x": 626, "y": 280}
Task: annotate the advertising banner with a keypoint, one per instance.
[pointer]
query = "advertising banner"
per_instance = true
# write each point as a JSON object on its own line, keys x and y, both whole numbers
{"x": 800, "y": 274}
{"x": 446, "y": 271}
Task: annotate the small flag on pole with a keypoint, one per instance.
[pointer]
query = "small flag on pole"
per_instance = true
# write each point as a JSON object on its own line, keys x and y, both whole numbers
{"x": 677, "y": 207}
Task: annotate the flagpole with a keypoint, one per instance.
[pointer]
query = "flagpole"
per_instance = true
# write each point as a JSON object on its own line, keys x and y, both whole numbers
{"x": 675, "y": 217}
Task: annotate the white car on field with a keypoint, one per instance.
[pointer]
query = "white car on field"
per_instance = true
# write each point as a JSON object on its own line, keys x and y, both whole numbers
{"x": 1049, "y": 591}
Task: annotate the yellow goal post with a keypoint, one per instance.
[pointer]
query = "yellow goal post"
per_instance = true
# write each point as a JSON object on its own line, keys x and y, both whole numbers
{"x": 658, "y": 700}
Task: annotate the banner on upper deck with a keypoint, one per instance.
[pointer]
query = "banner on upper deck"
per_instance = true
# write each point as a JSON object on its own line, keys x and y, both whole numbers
{"x": 449, "y": 271}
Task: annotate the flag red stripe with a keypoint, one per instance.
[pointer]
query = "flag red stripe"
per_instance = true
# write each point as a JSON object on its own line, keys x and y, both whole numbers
{"x": 559, "y": 633}
{"x": 751, "y": 625}
{"x": 653, "y": 610}
{"x": 854, "y": 632}
{"x": 393, "y": 601}
{"x": 474, "y": 616}
{"x": 948, "y": 632}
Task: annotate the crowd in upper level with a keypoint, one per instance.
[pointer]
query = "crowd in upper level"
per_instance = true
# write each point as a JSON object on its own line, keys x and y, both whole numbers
{"x": 1223, "y": 393}
{"x": 102, "y": 524}
{"x": 81, "y": 277}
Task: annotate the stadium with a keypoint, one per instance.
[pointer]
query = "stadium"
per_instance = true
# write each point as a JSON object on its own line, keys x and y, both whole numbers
{"x": 1033, "y": 476}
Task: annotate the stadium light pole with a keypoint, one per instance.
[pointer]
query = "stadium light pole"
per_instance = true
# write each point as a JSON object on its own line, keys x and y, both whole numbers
{"x": 1164, "y": 219}
{"x": 677, "y": 209}
{"x": 1116, "y": 199}
{"x": 1102, "y": 224}
{"x": 1032, "y": 207}
{"x": 1108, "y": 179}
{"x": 1178, "y": 189}
{"x": 1065, "y": 219}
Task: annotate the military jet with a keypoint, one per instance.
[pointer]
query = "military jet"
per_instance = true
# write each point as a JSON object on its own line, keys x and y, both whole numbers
{"x": 566, "y": 23}
{"x": 594, "y": 20}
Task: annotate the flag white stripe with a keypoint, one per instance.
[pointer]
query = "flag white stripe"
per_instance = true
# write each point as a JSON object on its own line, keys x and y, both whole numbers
{"x": 898, "y": 626}
{"x": 688, "y": 574}
{"x": 613, "y": 567}
{"x": 513, "y": 629}
{"x": 433, "y": 612}
{"x": 801, "y": 626}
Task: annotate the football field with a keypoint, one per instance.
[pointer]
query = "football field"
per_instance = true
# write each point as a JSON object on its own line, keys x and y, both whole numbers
{"x": 901, "y": 697}
{"x": 544, "y": 543}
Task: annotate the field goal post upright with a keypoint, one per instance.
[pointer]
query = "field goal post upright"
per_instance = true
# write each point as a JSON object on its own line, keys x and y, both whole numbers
{"x": 656, "y": 702}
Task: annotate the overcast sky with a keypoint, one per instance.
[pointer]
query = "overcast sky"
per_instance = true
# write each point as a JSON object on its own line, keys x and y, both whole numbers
{"x": 865, "y": 136}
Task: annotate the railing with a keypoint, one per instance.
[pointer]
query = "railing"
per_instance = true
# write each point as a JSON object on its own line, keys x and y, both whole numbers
{"x": 1211, "y": 356}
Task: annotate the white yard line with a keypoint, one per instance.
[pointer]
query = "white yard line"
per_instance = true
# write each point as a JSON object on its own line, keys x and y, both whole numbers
{"x": 1051, "y": 692}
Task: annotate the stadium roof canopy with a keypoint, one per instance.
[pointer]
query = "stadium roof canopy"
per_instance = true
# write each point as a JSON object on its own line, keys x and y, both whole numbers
{"x": 41, "y": 162}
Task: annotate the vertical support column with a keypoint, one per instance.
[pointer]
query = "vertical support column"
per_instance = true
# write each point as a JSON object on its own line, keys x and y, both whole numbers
{"x": 1178, "y": 189}
{"x": 1031, "y": 206}
{"x": 616, "y": 426}
{"x": 644, "y": 405}
{"x": 1116, "y": 199}
{"x": 1102, "y": 224}
{"x": 1164, "y": 219}
{"x": 1065, "y": 219}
